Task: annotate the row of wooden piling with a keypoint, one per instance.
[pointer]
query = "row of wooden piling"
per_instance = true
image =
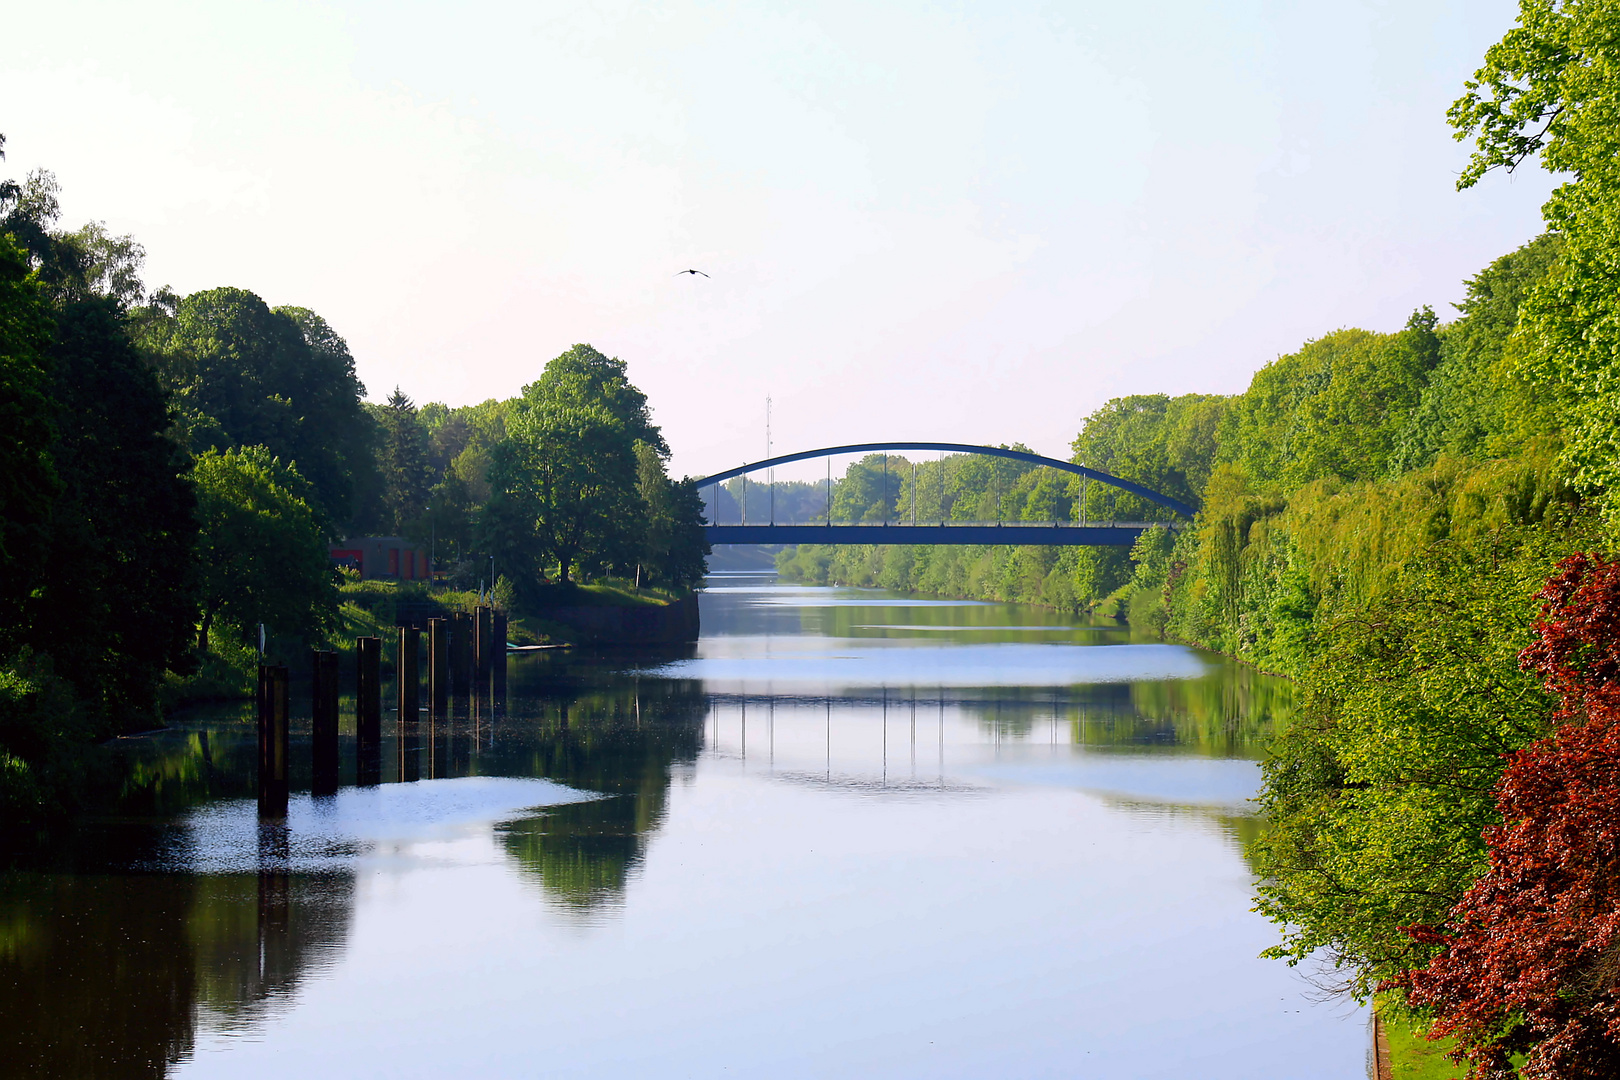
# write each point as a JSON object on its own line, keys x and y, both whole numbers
{"x": 465, "y": 651}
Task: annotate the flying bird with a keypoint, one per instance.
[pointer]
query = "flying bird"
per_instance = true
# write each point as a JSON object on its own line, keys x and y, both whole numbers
{"x": 678, "y": 273}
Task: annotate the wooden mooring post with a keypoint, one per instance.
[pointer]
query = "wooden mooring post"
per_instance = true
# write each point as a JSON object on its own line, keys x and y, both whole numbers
{"x": 368, "y": 710}
{"x": 498, "y": 659}
{"x": 273, "y": 786}
{"x": 483, "y": 645}
{"x": 408, "y": 672}
{"x": 324, "y": 723}
{"x": 438, "y": 666}
{"x": 461, "y": 655}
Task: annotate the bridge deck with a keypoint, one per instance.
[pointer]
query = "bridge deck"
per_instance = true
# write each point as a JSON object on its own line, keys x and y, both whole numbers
{"x": 1113, "y": 534}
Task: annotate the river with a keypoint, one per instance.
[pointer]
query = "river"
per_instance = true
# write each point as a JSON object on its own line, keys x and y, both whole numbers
{"x": 848, "y": 833}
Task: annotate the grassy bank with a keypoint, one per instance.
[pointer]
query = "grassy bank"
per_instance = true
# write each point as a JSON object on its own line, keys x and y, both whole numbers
{"x": 228, "y": 670}
{"x": 1412, "y": 1055}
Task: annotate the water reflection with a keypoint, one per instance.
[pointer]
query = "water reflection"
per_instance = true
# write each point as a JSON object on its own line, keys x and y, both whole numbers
{"x": 622, "y": 740}
{"x": 255, "y": 938}
{"x": 176, "y": 918}
{"x": 111, "y": 975}
{"x": 96, "y": 974}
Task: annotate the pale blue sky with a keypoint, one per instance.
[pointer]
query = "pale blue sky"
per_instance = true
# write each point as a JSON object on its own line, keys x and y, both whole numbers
{"x": 972, "y": 222}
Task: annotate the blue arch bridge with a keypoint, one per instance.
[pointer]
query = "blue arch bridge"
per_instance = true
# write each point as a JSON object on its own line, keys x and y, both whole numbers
{"x": 913, "y": 531}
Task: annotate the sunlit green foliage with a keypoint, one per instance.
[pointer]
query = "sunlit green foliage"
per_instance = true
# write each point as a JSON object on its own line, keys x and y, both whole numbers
{"x": 1337, "y": 408}
{"x": 564, "y": 485}
{"x": 1551, "y": 87}
{"x": 402, "y": 463}
{"x": 262, "y": 557}
{"x": 674, "y": 547}
{"x": 245, "y": 375}
{"x": 569, "y": 490}
{"x": 1477, "y": 403}
{"x": 459, "y": 447}
{"x": 869, "y": 489}
{"x": 1380, "y": 789}
{"x": 1167, "y": 444}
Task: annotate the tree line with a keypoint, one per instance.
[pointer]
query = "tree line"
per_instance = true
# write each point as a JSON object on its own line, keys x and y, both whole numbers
{"x": 173, "y": 470}
{"x": 1419, "y": 528}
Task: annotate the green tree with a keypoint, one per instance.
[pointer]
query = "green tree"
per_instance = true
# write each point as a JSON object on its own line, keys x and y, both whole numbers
{"x": 106, "y": 265}
{"x": 402, "y": 461}
{"x": 330, "y": 393}
{"x": 262, "y": 554}
{"x": 583, "y": 376}
{"x": 1337, "y": 408}
{"x": 869, "y": 488}
{"x": 675, "y": 550}
{"x": 1476, "y": 403}
{"x": 1551, "y": 88}
{"x": 28, "y": 213}
{"x": 449, "y": 518}
{"x": 1380, "y": 790}
{"x": 28, "y": 478}
{"x": 244, "y": 375}
{"x": 564, "y": 486}
{"x": 115, "y": 605}
{"x": 1167, "y": 444}
{"x": 104, "y": 594}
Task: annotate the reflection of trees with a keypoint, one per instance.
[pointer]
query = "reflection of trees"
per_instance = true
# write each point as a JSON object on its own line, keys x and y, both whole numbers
{"x": 583, "y": 853}
{"x": 95, "y": 979}
{"x": 622, "y": 741}
{"x": 255, "y": 937}
{"x": 101, "y": 975}
{"x": 1229, "y": 713}
{"x": 173, "y": 771}
{"x": 973, "y": 623}
{"x": 1241, "y": 830}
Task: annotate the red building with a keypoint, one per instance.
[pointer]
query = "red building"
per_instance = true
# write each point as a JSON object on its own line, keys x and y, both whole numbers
{"x": 385, "y": 558}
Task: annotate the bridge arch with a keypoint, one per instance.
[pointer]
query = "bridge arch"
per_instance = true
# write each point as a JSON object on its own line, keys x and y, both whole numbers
{"x": 1149, "y": 494}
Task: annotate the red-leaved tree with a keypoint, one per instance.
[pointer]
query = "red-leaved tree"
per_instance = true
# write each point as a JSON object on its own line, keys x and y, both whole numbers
{"x": 1530, "y": 966}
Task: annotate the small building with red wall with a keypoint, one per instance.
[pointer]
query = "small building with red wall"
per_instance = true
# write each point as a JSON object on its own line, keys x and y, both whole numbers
{"x": 383, "y": 558}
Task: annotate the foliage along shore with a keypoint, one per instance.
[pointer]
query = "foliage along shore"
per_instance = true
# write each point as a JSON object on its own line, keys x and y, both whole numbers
{"x": 1396, "y": 521}
{"x": 173, "y": 470}
{"x": 227, "y": 672}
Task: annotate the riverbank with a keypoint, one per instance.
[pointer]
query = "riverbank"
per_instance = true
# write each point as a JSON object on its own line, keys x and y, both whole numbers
{"x": 607, "y": 613}
{"x": 604, "y": 618}
{"x": 1043, "y": 800}
{"x": 1403, "y": 1052}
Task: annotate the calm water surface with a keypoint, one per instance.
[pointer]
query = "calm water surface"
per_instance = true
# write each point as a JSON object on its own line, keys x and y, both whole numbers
{"x": 846, "y": 834}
